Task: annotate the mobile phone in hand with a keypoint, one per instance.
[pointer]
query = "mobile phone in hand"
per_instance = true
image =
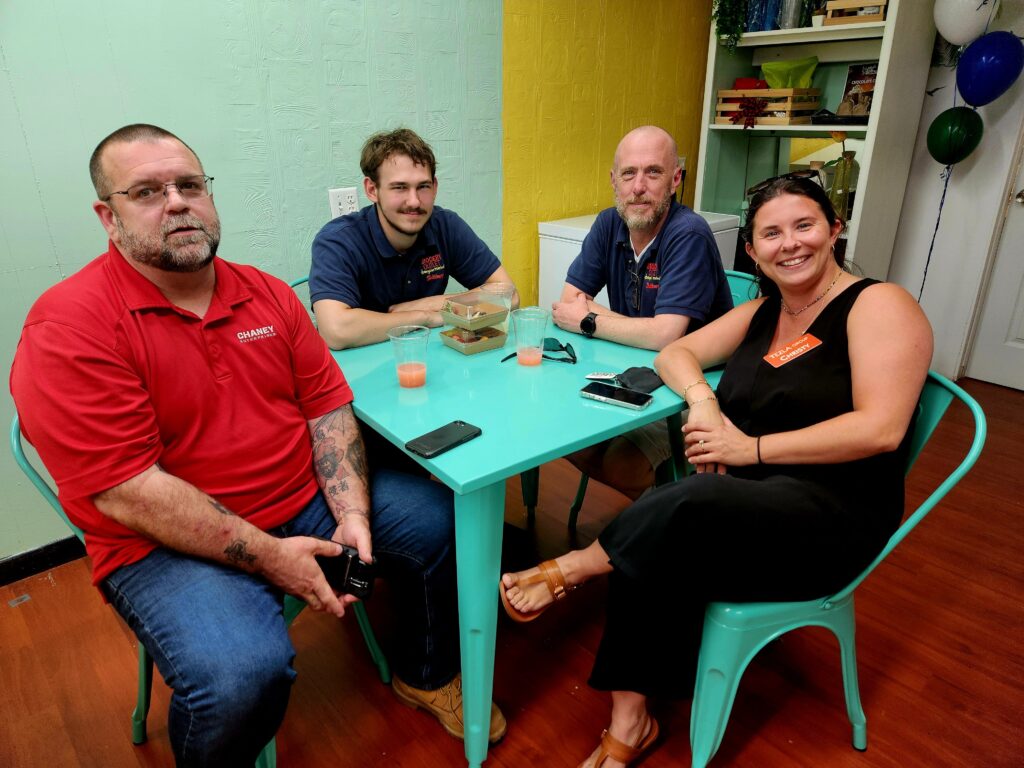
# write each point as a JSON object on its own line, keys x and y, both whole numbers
{"x": 442, "y": 439}
{"x": 347, "y": 573}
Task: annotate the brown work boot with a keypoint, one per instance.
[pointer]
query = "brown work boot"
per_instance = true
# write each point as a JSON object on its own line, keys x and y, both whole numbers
{"x": 446, "y": 705}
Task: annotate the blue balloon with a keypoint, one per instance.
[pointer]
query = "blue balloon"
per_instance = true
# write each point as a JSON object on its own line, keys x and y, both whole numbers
{"x": 989, "y": 66}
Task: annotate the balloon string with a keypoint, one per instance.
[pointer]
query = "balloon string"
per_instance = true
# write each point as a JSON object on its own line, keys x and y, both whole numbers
{"x": 946, "y": 173}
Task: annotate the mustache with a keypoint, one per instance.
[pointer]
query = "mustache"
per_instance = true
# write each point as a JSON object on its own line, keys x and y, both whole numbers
{"x": 182, "y": 221}
{"x": 411, "y": 210}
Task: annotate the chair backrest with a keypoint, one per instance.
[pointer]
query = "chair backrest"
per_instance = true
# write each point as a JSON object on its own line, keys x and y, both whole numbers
{"x": 37, "y": 480}
{"x": 298, "y": 281}
{"x": 742, "y": 286}
{"x": 936, "y": 396}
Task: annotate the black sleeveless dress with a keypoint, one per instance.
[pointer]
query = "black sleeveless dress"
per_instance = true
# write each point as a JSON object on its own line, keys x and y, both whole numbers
{"x": 769, "y": 532}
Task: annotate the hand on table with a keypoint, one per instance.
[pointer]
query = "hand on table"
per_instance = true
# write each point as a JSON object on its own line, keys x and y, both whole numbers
{"x": 568, "y": 314}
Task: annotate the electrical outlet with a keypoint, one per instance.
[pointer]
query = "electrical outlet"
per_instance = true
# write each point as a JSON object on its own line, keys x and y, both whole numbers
{"x": 682, "y": 162}
{"x": 343, "y": 200}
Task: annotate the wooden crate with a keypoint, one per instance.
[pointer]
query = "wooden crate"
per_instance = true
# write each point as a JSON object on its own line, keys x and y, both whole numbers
{"x": 797, "y": 104}
{"x": 846, "y": 12}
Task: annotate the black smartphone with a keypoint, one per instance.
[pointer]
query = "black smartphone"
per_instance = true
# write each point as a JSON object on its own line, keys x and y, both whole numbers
{"x": 347, "y": 573}
{"x": 606, "y": 393}
{"x": 442, "y": 439}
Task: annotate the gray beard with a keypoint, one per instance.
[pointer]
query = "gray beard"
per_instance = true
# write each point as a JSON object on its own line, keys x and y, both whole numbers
{"x": 640, "y": 221}
{"x": 183, "y": 256}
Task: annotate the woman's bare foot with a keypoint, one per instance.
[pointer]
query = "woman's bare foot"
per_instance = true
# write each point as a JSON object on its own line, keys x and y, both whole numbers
{"x": 632, "y": 733}
{"x": 528, "y": 592}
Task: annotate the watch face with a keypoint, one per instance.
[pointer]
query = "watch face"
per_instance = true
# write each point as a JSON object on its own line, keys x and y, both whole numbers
{"x": 589, "y": 324}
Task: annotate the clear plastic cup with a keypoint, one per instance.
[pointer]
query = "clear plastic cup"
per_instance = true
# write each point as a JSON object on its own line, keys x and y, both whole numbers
{"x": 530, "y": 325}
{"x": 410, "y": 345}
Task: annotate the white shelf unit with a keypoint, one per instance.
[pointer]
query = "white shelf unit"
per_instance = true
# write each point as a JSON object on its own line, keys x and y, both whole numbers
{"x": 733, "y": 158}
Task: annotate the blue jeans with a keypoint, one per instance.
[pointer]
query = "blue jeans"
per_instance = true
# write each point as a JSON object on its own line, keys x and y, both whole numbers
{"x": 219, "y": 639}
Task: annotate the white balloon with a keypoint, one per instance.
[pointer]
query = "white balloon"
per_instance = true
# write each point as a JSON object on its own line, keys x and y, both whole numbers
{"x": 961, "y": 21}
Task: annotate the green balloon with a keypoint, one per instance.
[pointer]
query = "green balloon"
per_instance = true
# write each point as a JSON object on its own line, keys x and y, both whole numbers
{"x": 954, "y": 134}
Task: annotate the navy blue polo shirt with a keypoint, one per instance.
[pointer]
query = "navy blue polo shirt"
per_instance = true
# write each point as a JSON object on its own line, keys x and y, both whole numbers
{"x": 681, "y": 272}
{"x": 354, "y": 263}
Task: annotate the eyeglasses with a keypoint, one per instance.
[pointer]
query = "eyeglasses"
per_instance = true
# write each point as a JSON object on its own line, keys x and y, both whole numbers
{"x": 634, "y": 283}
{"x": 553, "y": 345}
{"x": 809, "y": 173}
{"x": 155, "y": 192}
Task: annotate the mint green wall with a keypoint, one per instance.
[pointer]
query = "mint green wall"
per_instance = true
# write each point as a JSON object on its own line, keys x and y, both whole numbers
{"x": 276, "y": 97}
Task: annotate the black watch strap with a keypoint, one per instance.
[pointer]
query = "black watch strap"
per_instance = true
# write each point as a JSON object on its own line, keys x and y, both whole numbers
{"x": 588, "y": 325}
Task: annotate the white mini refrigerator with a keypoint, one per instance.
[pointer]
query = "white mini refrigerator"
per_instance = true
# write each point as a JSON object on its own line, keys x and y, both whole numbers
{"x": 560, "y": 243}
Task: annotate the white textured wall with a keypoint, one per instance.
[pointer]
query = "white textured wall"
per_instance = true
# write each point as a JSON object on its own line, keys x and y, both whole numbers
{"x": 276, "y": 96}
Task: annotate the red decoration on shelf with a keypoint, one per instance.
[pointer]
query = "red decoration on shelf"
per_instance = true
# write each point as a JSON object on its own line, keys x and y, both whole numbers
{"x": 750, "y": 109}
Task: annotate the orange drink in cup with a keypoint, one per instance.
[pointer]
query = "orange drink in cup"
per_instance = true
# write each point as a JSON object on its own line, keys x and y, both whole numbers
{"x": 410, "y": 345}
{"x": 530, "y": 324}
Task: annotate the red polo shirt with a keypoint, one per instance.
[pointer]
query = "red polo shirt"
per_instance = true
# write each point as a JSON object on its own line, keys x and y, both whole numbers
{"x": 110, "y": 378}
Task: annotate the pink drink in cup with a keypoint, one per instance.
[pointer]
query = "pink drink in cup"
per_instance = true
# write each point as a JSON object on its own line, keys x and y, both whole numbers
{"x": 412, "y": 374}
{"x": 530, "y": 324}
{"x": 410, "y": 345}
{"x": 528, "y": 356}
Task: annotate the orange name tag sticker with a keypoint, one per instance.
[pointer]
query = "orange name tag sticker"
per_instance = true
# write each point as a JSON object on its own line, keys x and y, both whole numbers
{"x": 792, "y": 350}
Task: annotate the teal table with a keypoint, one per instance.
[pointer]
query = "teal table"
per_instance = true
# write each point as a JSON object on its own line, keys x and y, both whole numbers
{"x": 529, "y": 416}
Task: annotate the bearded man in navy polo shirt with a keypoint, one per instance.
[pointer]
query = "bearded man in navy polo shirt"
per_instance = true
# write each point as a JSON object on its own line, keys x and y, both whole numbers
{"x": 389, "y": 264}
{"x": 664, "y": 275}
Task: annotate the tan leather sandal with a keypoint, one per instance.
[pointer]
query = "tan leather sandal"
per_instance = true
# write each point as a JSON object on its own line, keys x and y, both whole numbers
{"x": 625, "y": 754}
{"x": 552, "y": 576}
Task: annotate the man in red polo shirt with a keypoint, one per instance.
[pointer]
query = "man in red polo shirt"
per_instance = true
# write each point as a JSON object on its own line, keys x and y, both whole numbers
{"x": 202, "y": 436}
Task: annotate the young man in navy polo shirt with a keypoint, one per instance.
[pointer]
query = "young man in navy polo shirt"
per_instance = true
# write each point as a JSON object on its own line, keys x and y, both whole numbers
{"x": 389, "y": 263}
{"x": 664, "y": 276}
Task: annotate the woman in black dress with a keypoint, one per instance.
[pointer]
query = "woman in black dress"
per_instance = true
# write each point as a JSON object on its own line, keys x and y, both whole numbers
{"x": 799, "y": 460}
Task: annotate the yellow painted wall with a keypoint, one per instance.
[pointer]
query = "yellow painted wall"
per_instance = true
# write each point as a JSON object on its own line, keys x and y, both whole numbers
{"x": 577, "y": 75}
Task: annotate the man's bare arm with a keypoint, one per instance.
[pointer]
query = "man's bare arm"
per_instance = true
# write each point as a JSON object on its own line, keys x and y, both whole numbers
{"x": 644, "y": 332}
{"x": 339, "y": 458}
{"x": 179, "y": 516}
{"x": 343, "y": 326}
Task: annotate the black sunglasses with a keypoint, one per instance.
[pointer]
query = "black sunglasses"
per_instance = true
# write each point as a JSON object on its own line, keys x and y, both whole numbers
{"x": 808, "y": 173}
{"x": 553, "y": 345}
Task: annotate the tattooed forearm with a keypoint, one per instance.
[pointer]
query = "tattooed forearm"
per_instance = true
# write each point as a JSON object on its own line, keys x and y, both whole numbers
{"x": 356, "y": 456}
{"x": 339, "y": 458}
{"x": 237, "y": 553}
{"x": 220, "y": 507}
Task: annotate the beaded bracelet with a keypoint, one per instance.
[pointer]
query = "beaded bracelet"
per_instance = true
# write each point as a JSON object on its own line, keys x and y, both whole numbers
{"x": 698, "y": 402}
{"x": 694, "y": 384}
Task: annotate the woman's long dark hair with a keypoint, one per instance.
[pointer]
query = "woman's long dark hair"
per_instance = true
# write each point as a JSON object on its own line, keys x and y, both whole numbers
{"x": 777, "y": 188}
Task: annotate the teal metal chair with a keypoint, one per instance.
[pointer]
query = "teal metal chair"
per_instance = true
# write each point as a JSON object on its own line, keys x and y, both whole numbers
{"x": 735, "y": 632}
{"x": 743, "y": 287}
{"x": 292, "y": 608}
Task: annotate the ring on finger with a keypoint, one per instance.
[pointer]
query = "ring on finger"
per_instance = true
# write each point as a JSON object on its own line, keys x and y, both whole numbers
{"x": 700, "y": 443}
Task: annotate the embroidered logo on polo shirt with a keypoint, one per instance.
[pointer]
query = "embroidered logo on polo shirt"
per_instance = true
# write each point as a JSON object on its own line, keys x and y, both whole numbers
{"x": 652, "y": 279}
{"x": 432, "y": 267}
{"x": 256, "y": 334}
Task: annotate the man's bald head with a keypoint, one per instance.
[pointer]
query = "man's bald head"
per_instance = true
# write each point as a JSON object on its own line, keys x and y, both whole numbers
{"x": 650, "y": 136}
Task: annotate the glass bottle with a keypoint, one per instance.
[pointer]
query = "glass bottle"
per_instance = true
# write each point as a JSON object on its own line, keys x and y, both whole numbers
{"x": 843, "y": 185}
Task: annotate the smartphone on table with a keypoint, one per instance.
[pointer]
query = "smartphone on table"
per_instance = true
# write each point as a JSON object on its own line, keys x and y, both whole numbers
{"x": 442, "y": 439}
{"x": 606, "y": 393}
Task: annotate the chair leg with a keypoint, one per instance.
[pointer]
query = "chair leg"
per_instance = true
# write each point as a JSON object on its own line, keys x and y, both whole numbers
{"x": 371, "y": 643}
{"x": 144, "y": 695}
{"x": 844, "y": 626}
{"x": 268, "y": 757}
{"x": 577, "y": 504}
{"x": 530, "y": 482}
{"x": 724, "y": 655}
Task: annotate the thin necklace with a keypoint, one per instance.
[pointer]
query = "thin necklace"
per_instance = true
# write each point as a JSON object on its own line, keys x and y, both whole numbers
{"x": 813, "y": 301}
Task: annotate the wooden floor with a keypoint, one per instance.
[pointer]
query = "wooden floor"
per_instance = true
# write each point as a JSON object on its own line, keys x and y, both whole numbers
{"x": 939, "y": 642}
